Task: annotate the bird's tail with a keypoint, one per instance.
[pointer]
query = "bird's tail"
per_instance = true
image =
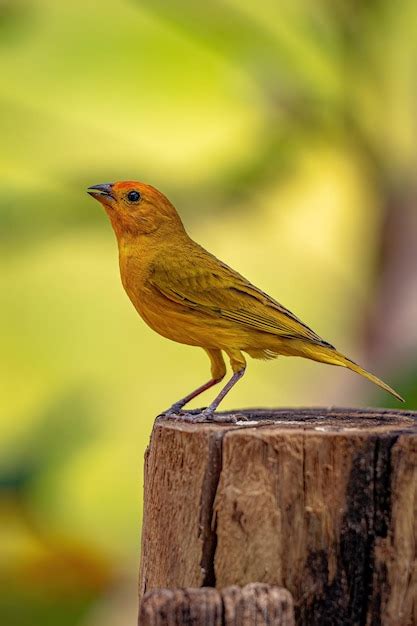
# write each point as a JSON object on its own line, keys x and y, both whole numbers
{"x": 333, "y": 357}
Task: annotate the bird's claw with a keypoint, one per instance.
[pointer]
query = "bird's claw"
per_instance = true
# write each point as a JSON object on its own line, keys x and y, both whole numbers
{"x": 192, "y": 418}
{"x": 218, "y": 418}
{"x": 198, "y": 417}
{"x": 173, "y": 410}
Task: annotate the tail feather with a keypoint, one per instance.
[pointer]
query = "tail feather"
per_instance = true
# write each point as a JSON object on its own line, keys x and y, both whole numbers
{"x": 359, "y": 370}
{"x": 333, "y": 357}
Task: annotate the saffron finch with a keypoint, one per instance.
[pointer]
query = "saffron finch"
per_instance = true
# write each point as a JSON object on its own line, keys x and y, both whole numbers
{"x": 186, "y": 294}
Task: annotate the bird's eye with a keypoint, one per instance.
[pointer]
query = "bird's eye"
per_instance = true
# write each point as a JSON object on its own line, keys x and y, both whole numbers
{"x": 133, "y": 196}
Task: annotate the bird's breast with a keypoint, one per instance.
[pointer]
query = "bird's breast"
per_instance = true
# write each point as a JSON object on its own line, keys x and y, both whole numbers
{"x": 160, "y": 314}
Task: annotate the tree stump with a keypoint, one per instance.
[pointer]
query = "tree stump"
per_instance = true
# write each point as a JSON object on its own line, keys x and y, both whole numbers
{"x": 256, "y": 604}
{"x": 322, "y": 502}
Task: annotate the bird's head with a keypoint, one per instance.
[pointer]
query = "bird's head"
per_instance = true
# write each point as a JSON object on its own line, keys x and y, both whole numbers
{"x": 135, "y": 208}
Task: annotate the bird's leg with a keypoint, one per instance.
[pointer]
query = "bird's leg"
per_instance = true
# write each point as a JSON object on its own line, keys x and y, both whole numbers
{"x": 218, "y": 372}
{"x": 177, "y": 406}
{"x": 209, "y": 415}
{"x": 238, "y": 363}
{"x": 209, "y": 411}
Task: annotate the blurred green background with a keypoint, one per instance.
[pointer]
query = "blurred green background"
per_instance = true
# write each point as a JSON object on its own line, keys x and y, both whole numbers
{"x": 285, "y": 133}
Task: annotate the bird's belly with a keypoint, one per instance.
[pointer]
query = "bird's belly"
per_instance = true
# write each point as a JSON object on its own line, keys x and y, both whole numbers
{"x": 183, "y": 326}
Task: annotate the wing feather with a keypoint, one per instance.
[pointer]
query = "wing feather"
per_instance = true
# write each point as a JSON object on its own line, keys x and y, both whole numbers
{"x": 204, "y": 283}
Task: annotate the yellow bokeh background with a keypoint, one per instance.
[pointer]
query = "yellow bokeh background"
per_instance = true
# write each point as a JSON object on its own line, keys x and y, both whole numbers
{"x": 285, "y": 135}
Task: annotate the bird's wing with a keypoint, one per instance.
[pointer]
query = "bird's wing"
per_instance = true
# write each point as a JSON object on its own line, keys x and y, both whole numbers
{"x": 200, "y": 281}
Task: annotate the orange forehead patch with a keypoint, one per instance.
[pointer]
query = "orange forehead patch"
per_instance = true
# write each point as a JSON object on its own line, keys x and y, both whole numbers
{"x": 147, "y": 191}
{"x": 125, "y": 185}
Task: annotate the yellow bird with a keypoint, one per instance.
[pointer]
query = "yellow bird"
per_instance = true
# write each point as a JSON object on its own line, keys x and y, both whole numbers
{"x": 186, "y": 294}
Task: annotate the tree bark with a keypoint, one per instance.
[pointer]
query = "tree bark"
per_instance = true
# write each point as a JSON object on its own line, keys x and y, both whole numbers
{"x": 322, "y": 502}
{"x": 256, "y": 604}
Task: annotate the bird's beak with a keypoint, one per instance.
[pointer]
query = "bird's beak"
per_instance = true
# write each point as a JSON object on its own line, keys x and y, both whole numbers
{"x": 101, "y": 192}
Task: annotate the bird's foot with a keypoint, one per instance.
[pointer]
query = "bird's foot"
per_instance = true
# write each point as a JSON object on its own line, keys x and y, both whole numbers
{"x": 175, "y": 409}
{"x": 222, "y": 418}
{"x": 175, "y": 413}
{"x": 198, "y": 416}
{"x": 191, "y": 418}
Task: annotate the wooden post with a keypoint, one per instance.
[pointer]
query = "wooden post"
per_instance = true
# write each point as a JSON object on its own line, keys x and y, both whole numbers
{"x": 322, "y": 502}
{"x": 256, "y": 604}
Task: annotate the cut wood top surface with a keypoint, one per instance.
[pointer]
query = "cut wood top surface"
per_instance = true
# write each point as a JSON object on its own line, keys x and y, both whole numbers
{"x": 310, "y": 420}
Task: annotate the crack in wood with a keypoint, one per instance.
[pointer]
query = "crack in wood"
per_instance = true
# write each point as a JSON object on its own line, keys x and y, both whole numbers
{"x": 207, "y": 514}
